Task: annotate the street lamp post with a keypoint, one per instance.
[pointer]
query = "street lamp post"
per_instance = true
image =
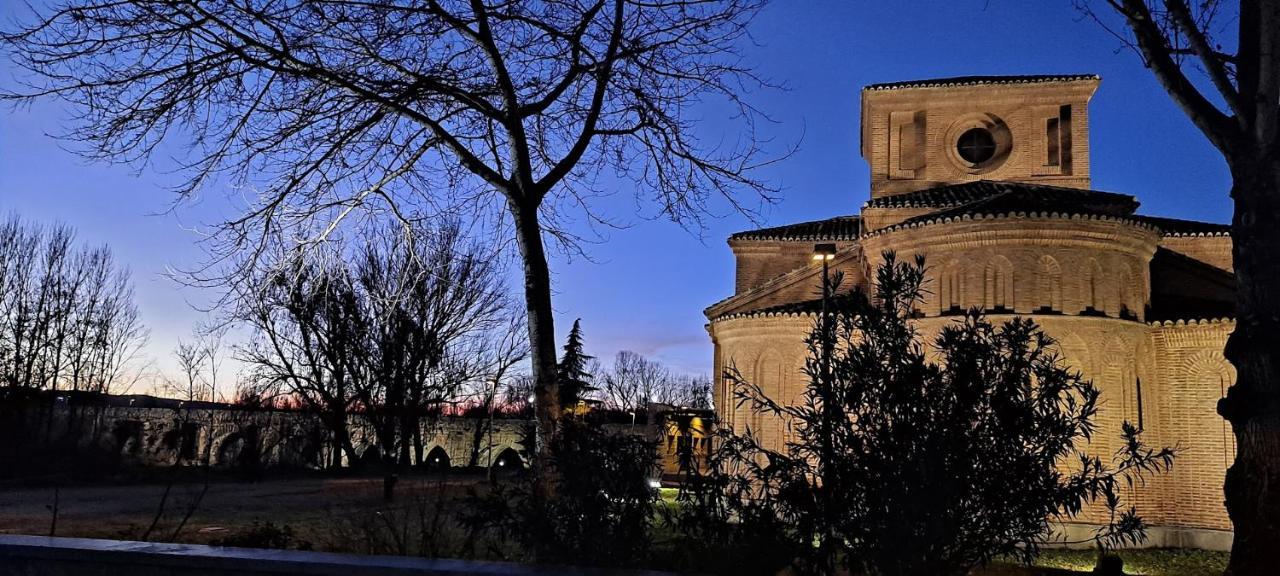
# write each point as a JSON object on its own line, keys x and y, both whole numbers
{"x": 493, "y": 399}
{"x": 825, "y": 253}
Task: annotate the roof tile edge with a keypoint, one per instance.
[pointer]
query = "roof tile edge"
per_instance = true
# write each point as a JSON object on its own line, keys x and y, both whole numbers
{"x": 980, "y": 81}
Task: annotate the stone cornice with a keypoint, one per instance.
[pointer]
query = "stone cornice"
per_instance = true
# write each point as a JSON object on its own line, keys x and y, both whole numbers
{"x": 928, "y": 221}
{"x": 980, "y": 81}
{"x": 1196, "y": 234}
{"x": 1195, "y": 333}
{"x": 1193, "y": 322}
{"x": 746, "y": 236}
{"x": 764, "y": 314}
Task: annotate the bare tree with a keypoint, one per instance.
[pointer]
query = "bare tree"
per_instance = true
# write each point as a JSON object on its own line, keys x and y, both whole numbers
{"x": 304, "y": 345}
{"x": 335, "y": 105}
{"x": 690, "y": 391}
{"x": 213, "y": 350}
{"x": 199, "y": 361}
{"x": 1220, "y": 62}
{"x": 428, "y": 300}
{"x": 68, "y": 320}
{"x": 634, "y": 382}
{"x": 517, "y": 395}
{"x": 388, "y": 328}
{"x": 190, "y": 359}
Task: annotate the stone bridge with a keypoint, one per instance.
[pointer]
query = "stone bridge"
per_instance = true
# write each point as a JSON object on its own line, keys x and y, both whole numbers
{"x": 225, "y": 437}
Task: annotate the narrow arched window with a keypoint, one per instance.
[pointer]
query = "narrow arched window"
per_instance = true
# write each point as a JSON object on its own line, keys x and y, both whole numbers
{"x": 1092, "y": 300}
{"x": 1125, "y": 292}
{"x": 1048, "y": 286}
{"x": 998, "y": 285}
{"x": 950, "y": 299}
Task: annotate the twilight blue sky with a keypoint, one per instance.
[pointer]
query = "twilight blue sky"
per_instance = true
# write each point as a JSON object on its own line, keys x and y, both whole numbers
{"x": 647, "y": 284}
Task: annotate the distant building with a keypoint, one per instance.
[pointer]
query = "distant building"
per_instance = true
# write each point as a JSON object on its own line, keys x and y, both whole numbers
{"x": 988, "y": 177}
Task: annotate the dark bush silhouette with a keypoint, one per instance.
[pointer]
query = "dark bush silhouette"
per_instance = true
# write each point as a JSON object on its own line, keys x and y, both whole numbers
{"x": 603, "y": 510}
{"x": 265, "y": 535}
{"x": 900, "y": 465}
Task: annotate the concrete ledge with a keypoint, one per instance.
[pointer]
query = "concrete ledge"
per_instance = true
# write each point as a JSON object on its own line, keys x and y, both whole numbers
{"x": 45, "y": 556}
{"x": 1157, "y": 537}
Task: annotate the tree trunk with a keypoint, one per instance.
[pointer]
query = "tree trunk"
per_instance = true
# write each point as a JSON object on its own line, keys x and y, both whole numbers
{"x": 1252, "y": 404}
{"x": 542, "y": 341}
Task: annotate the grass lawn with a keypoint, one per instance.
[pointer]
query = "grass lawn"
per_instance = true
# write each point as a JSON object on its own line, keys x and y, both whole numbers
{"x": 347, "y": 514}
{"x": 1148, "y": 562}
{"x": 1145, "y": 562}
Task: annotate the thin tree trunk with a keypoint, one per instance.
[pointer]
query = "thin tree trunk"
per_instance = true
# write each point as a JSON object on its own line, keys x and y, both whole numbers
{"x": 1252, "y": 405}
{"x": 542, "y": 344}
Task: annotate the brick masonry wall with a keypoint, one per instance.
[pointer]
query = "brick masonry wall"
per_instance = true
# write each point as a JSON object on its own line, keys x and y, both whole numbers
{"x": 1180, "y": 367}
{"x": 942, "y": 110}
{"x": 1192, "y": 375}
{"x": 1168, "y": 376}
{"x": 1212, "y": 250}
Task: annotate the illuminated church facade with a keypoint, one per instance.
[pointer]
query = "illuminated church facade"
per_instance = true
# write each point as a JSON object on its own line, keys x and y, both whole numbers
{"x": 988, "y": 178}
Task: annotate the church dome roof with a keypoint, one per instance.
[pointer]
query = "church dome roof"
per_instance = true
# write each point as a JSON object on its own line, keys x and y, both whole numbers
{"x": 999, "y": 196}
{"x": 838, "y": 228}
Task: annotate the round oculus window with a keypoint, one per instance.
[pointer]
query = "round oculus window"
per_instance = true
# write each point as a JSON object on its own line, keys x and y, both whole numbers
{"x": 976, "y": 145}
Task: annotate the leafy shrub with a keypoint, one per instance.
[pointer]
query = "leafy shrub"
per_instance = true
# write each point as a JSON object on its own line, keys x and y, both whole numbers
{"x": 603, "y": 509}
{"x": 900, "y": 465}
{"x": 265, "y": 535}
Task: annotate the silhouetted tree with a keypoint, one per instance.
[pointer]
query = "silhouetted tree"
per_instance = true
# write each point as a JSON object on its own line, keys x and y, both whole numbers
{"x": 391, "y": 326}
{"x": 1220, "y": 62}
{"x": 68, "y": 320}
{"x": 603, "y": 509}
{"x": 516, "y": 107}
{"x": 898, "y": 465}
{"x": 633, "y": 383}
{"x": 575, "y": 381}
{"x": 306, "y": 342}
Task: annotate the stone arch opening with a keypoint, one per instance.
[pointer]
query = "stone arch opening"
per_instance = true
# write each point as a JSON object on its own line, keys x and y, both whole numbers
{"x": 1092, "y": 295}
{"x": 1209, "y": 375}
{"x": 1048, "y": 286}
{"x": 1127, "y": 307}
{"x": 998, "y": 285}
{"x": 950, "y": 290}
{"x": 371, "y": 457}
{"x": 437, "y": 459}
{"x": 1075, "y": 354}
{"x": 241, "y": 448}
{"x": 508, "y": 461}
{"x": 128, "y": 437}
{"x": 771, "y": 377}
{"x": 228, "y": 450}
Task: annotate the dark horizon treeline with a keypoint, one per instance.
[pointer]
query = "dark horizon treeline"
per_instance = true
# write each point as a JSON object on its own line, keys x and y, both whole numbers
{"x": 68, "y": 319}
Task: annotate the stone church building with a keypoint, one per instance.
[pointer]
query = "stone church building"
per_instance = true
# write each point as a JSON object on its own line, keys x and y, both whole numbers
{"x": 988, "y": 177}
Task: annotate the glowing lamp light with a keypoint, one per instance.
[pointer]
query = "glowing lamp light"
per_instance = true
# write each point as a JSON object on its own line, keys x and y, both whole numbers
{"x": 824, "y": 252}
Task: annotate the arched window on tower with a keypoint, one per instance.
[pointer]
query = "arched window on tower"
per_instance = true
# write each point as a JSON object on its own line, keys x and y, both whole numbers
{"x": 950, "y": 298}
{"x": 1048, "y": 286}
{"x": 998, "y": 282}
{"x": 1125, "y": 294}
{"x": 1092, "y": 301}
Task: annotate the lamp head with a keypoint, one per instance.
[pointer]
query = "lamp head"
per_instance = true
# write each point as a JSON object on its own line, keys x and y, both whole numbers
{"x": 824, "y": 251}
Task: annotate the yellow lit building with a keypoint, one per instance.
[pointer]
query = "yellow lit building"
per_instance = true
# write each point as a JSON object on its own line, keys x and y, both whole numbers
{"x": 988, "y": 177}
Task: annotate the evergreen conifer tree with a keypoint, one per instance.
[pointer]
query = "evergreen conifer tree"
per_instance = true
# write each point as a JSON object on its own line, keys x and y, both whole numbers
{"x": 572, "y": 373}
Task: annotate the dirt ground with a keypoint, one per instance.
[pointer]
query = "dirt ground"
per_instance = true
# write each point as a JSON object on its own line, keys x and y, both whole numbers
{"x": 326, "y": 512}
{"x": 307, "y": 504}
